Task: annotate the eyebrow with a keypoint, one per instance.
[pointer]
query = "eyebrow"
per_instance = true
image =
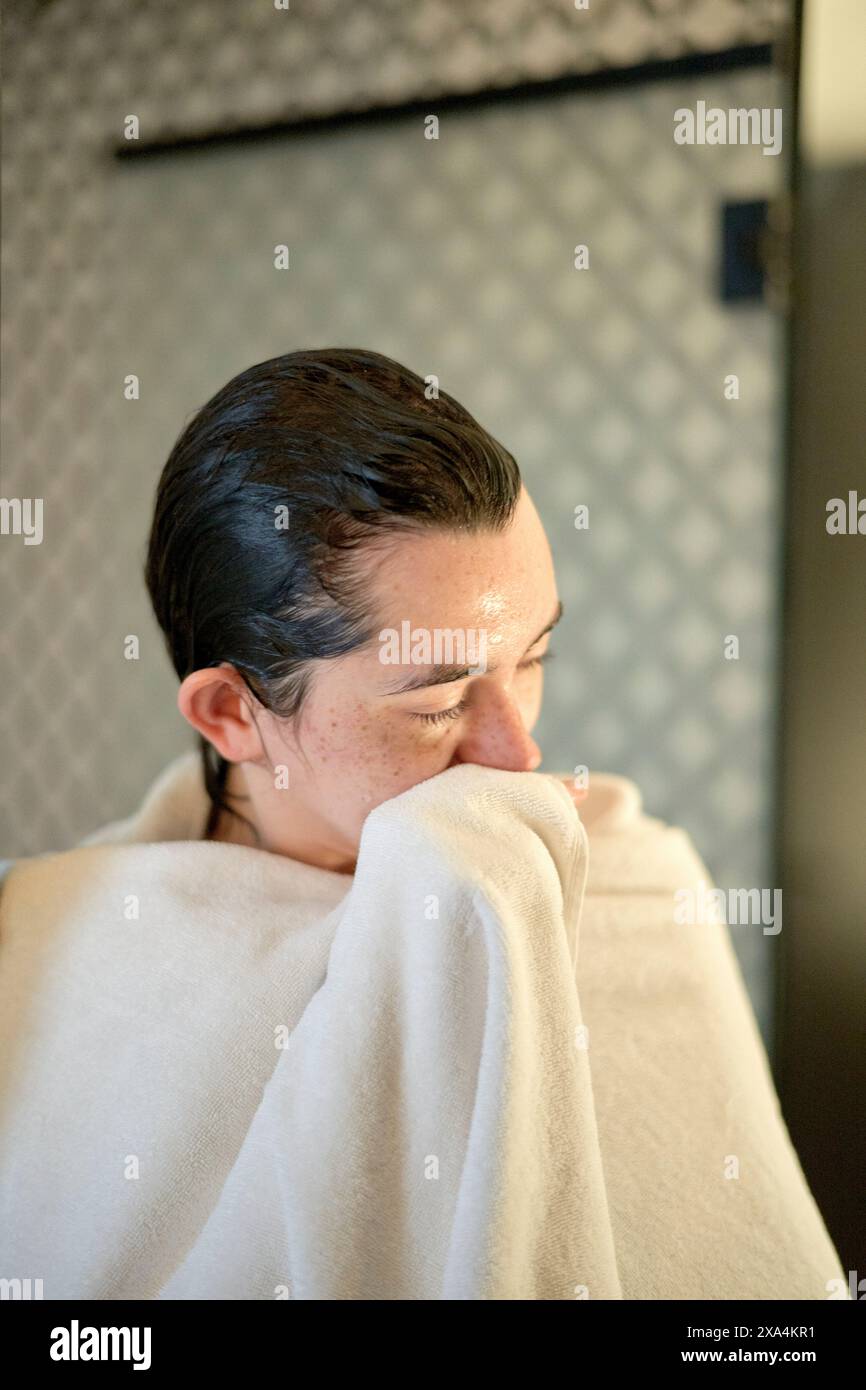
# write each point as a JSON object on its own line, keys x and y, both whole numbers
{"x": 445, "y": 675}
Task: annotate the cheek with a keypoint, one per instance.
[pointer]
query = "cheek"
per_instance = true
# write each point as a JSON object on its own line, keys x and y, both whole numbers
{"x": 338, "y": 736}
{"x": 371, "y": 752}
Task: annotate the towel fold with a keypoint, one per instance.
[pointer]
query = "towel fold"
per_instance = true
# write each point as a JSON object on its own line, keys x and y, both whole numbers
{"x": 486, "y": 1066}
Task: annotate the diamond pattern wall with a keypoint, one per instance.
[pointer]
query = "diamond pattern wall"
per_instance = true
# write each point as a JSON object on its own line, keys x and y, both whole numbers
{"x": 455, "y": 256}
{"x": 213, "y": 64}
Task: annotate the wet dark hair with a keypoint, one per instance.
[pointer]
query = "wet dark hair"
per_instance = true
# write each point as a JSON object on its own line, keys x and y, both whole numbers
{"x": 348, "y": 442}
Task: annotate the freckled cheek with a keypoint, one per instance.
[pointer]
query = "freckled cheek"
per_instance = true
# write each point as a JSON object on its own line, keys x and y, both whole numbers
{"x": 356, "y": 736}
{"x": 398, "y": 749}
{"x": 331, "y": 738}
{"x": 393, "y": 754}
{"x": 377, "y": 754}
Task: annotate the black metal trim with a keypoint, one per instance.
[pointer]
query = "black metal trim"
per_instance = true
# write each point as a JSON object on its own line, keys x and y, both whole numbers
{"x": 660, "y": 70}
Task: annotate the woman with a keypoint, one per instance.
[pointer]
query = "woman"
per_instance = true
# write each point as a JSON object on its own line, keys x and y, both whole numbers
{"x": 313, "y": 1022}
{"x": 298, "y": 514}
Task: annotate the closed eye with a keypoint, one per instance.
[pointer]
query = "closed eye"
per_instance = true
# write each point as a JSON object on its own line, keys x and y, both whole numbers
{"x": 442, "y": 716}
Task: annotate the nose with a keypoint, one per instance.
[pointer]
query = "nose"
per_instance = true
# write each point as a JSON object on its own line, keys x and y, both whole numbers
{"x": 495, "y": 734}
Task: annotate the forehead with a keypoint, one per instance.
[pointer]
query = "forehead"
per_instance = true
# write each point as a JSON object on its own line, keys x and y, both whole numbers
{"x": 500, "y": 580}
{"x": 444, "y": 578}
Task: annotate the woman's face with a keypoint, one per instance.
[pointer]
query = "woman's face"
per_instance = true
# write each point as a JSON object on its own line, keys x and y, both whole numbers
{"x": 361, "y": 740}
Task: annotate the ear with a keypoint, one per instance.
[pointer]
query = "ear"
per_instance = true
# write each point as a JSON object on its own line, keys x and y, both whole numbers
{"x": 217, "y": 702}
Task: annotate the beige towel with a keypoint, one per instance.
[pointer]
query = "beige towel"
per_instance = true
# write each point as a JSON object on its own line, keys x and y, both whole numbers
{"x": 467, "y": 1072}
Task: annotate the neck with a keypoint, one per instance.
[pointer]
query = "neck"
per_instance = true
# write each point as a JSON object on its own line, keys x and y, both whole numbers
{"x": 275, "y": 824}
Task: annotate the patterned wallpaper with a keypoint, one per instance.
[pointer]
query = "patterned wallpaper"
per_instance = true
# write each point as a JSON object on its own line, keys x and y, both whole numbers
{"x": 211, "y": 64}
{"x": 453, "y": 255}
